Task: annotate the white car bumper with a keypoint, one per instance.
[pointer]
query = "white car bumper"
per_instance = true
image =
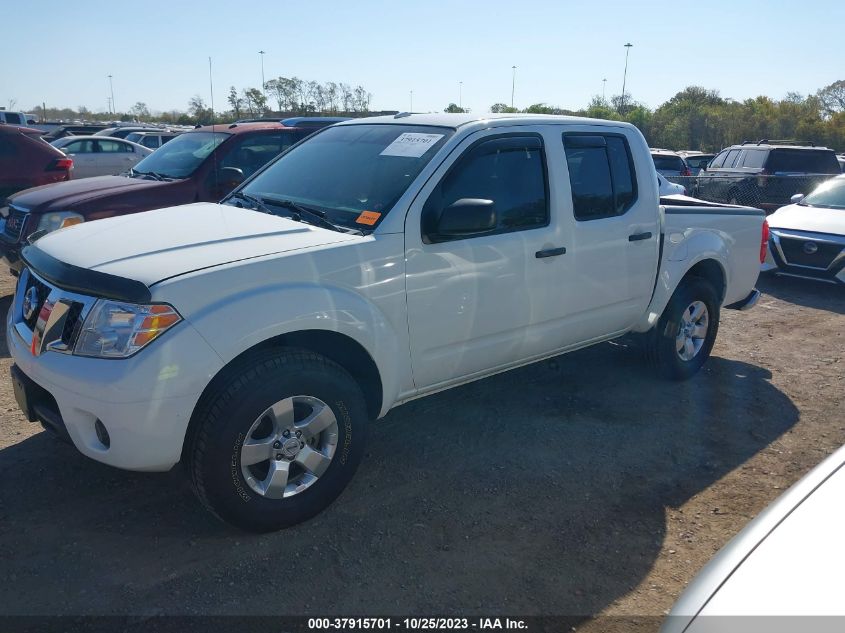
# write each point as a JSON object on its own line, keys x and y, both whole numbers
{"x": 145, "y": 402}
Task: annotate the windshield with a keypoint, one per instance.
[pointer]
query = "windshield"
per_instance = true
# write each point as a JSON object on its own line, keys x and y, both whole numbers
{"x": 668, "y": 163}
{"x": 829, "y": 194}
{"x": 697, "y": 162}
{"x": 353, "y": 173}
{"x": 181, "y": 156}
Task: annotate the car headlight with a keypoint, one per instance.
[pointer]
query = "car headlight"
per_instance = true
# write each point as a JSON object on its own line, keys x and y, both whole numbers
{"x": 114, "y": 329}
{"x": 60, "y": 219}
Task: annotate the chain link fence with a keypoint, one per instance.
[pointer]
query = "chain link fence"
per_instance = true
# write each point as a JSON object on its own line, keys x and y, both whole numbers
{"x": 764, "y": 192}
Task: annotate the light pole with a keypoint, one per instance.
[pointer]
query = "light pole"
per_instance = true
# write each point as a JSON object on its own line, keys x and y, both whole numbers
{"x": 461, "y": 95}
{"x": 111, "y": 90}
{"x": 412, "y": 101}
{"x": 513, "y": 84}
{"x": 625, "y": 78}
{"x": 263, "y": 90}
{"x": 603, "y": 88}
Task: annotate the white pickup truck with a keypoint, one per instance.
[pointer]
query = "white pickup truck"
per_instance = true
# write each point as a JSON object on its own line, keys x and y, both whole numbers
{"x": 377, "y": 261}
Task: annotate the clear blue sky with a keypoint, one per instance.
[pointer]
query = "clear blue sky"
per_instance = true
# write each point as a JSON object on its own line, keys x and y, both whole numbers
{"x": 158, "y": 52}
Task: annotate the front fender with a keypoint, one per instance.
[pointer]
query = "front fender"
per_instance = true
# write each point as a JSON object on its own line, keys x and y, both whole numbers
{"x": 273, "y": 310}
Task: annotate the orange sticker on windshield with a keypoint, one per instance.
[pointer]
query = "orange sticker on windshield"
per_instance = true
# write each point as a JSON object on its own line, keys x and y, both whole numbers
{"x": 368, "y": 217}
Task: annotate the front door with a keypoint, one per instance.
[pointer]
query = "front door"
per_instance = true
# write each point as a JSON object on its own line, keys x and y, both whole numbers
{"x": 482, "y": 301}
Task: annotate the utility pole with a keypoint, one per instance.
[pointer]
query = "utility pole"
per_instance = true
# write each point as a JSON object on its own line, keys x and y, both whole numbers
{"x": 263, "y": 91}
{"x": 461, "y": 95}
{"x": 625, "y": 78}
{"x": 513, "y": 84}
{"x": 111, "y": 90}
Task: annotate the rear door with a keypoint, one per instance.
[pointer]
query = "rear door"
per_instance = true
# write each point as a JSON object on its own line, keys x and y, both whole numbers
{"x": 614, "y": 229}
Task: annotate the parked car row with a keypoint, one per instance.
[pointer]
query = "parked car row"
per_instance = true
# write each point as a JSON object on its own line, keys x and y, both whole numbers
{"x": 763, "y": 174}
{"x": 202, "y": 165}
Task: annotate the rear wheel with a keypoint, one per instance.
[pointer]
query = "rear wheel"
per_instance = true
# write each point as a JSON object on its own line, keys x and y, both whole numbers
{"x": 684, "y": 336}
{"x": 279, "y": 442}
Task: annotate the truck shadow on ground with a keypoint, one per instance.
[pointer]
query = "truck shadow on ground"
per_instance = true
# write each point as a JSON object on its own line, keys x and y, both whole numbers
{"x": 804, "y": 292}
{"x": 538, "y": 491}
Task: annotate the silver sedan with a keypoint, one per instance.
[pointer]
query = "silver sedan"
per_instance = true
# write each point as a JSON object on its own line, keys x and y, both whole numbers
{"x": 100, "y": 155}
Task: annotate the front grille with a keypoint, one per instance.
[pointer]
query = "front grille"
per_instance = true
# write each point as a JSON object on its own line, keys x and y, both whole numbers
{"x": 15, "y": 223}
{"x": 794, "y": 250}
{"x": 73, "y": 324}
{"x": 42, "y": 291}
{"x": 59, "y": 325}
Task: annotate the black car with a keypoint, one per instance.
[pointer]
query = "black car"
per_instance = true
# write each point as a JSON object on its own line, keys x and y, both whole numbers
{"x": 765, "y": 174}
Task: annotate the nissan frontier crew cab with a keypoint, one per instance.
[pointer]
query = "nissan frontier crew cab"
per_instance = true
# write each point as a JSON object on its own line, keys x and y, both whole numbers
{"x": 376, "y": 262}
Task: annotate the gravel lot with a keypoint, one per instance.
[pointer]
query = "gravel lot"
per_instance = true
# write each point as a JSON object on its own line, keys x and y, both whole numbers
{"x": 581, "y": 486}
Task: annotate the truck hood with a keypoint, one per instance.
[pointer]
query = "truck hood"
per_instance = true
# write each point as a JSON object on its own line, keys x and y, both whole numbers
{"x": 63, "y": 196}
{"x": 156, "y": 245}
{"x": 816, "y": 219}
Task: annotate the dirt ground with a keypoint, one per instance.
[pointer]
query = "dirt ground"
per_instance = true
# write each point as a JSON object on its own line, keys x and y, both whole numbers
{"x": 582, "y": 486}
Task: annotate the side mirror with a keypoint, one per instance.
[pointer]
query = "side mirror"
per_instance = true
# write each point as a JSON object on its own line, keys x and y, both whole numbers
{"x": 798, "y": 197}
{"x": 229, "y": 177}
{"x": 467, "y": 216}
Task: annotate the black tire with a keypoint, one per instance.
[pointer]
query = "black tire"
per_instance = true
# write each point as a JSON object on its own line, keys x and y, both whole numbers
{"x": 662, "y": 339}
{"x": 223, "y": 418}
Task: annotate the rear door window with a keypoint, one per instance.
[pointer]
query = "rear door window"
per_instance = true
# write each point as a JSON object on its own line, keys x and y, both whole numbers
{"x": 114, "y": 147}
{"x": 13, "y": 119}
{"x": 730, "y": 159}
{"x": 754, "y": 158}
{"x": 601, "y": 175}
{"x": 803, "y": 161}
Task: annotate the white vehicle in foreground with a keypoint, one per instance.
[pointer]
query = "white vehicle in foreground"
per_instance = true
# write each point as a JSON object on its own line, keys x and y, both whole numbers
{"x": 781, "y": 572}
{"x": 808, "y": 236}
{"x": 378, "y": 261}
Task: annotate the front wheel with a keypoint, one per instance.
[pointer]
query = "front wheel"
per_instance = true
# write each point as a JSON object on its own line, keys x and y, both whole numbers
{"x": 279, "y": 441}
{"x": 684, "y": 336}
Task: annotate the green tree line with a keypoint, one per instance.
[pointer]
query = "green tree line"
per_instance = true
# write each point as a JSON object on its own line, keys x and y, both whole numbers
{"x": 700, "y": 119}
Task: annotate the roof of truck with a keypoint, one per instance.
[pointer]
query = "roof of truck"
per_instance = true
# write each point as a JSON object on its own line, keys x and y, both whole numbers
{"x": 442, "y": 119}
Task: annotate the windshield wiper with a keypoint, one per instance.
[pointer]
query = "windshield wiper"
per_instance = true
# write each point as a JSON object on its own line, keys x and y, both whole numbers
{"x": 256, "y": 202}
{"x": 151, "y": 174}
{"x": 315, "y": 216}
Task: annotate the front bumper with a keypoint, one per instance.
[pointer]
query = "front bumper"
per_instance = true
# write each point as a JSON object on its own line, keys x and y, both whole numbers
{"x": 145, "y": 402}
{"x": 782, "y": 260}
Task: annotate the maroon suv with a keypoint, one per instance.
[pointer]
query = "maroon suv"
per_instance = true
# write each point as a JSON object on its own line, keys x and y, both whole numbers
{"x": 28, "y": 161}
{"x": 202, "y": 165}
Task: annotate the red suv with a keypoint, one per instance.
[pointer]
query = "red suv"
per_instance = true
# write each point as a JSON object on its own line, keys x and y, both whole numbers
{"x": 202, "y": 165}
{"x": 28, "y": 161}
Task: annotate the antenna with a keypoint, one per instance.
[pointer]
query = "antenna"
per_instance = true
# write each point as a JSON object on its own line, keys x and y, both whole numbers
{"x": 213, "y": 137}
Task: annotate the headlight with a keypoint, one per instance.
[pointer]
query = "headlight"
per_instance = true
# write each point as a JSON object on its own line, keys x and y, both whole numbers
{"x": 114, "y": 329}
{"x": 59, "y": 220}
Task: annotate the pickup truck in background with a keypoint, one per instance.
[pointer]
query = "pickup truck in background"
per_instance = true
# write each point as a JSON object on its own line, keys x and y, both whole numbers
{"x": 201, "y": 165}
{"x": 379, "y": 261}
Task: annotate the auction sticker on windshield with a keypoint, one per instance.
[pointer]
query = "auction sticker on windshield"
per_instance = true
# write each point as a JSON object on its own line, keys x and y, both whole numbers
{"x": 411, "y": 144}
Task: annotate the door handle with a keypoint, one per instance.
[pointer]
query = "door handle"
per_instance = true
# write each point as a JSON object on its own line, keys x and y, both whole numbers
{"x": 636, "y": 237}
{"x": 550, "y": 252}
